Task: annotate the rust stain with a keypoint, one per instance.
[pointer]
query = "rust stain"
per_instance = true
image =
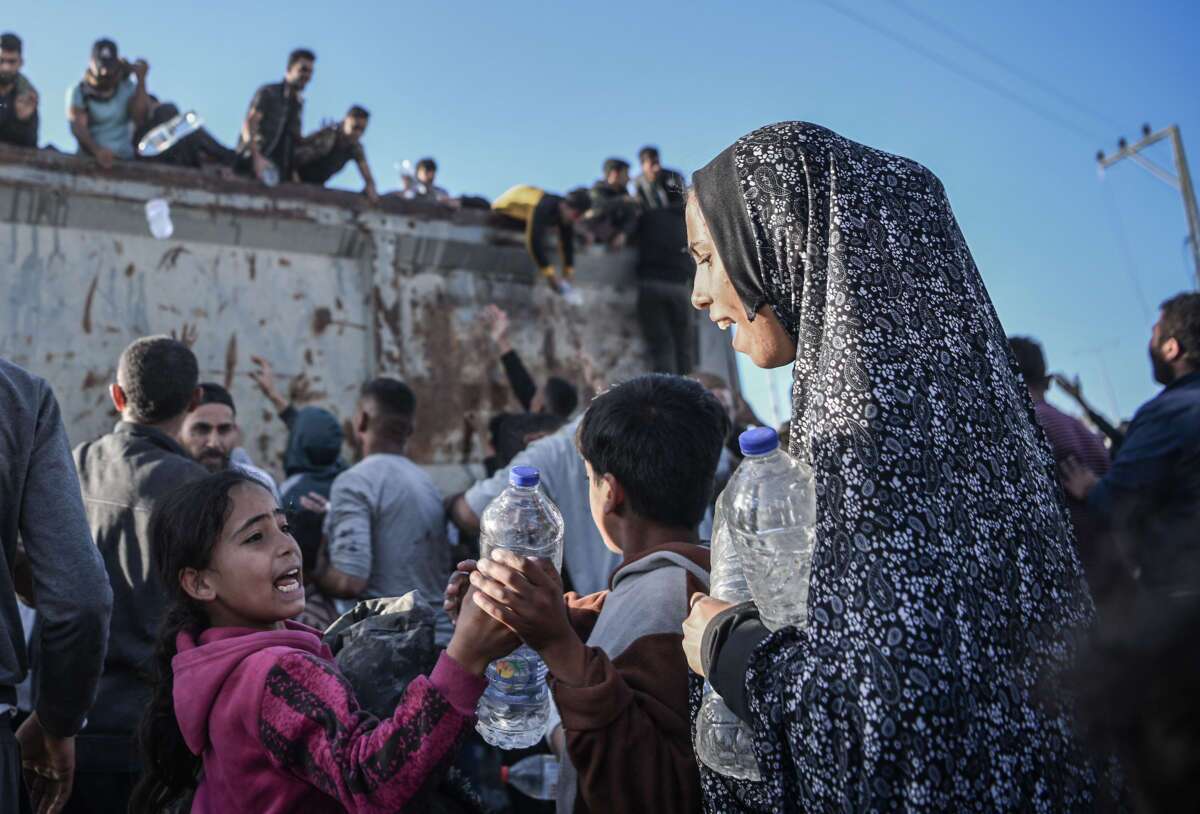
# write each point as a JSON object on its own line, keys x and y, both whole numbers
{"x": 94, "y": 379}
{"x": 120, "y": 248}
{"x": 321, "y": 319}
{"x": 171, "y": 309}
{"x": 49, "y": 357}
{"x": 283, "y": 261}
{"x": 231, "y": 354}
{"x": 130, "y": 270}
{"x": 337, "y": 301}
{"x": 252, "y": 259}
{"x": 299, "y": 295}
{"x": 308, "y": 356}
{"x": 87, "y": 305}
{"x": 171, "y": 257}
{"x": 111, "y": 329}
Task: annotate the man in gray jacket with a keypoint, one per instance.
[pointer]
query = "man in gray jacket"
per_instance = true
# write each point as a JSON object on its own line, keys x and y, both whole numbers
{"x": 123, "y": 475}
{"x": 40, "y": 504}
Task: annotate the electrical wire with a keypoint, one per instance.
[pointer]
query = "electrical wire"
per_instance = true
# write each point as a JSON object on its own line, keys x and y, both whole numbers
{"x": 1122, "y": 236}
{"x": 964, "y": 73}
{"x": 1028, "y": 76}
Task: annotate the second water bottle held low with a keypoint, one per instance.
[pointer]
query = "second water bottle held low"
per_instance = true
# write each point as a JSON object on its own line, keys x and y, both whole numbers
{"x": 515, "y": 708}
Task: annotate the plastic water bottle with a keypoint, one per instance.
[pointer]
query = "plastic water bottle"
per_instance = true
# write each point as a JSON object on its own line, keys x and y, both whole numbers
{"x": 516, "y": 705}
{"x": 771, "y": 507}
{"x": 270, "y": 175}
{"x": 158, "y": 217}
{"x": 169, "y": 133}
{"x": 535, "y": 776}
{"x": 725, "y": 743}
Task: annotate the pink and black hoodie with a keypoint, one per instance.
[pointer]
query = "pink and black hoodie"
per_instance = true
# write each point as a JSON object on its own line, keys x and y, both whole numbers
{"x": 279, "y": 728}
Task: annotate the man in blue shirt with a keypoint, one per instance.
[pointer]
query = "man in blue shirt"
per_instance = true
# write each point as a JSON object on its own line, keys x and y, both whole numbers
{"x": 1152, "y": 491}
{"x": 107, "y": 105}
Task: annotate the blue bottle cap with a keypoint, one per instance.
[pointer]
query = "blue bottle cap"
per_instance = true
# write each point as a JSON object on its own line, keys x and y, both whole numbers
{"x": 525, "y": 476}
{"x": 758, "y": 441}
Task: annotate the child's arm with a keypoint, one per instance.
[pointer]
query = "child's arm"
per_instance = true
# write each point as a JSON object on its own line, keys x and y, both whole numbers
{"x": 627, "y": 724}
{"x": 583, "y": 611}
{"x": 312, "y": 727}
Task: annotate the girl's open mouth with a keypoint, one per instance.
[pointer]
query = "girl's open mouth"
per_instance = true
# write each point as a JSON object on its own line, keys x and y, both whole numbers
{"x": 289, "y": 581}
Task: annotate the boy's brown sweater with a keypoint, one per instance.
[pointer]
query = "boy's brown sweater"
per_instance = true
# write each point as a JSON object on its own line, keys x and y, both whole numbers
{"x": 627, "y": 724}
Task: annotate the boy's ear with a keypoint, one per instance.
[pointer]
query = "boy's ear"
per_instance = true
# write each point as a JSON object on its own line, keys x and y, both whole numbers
{"x": 196, "y": 585}
{"x": 118, "y": 396}
{"x": 613, "y": 493}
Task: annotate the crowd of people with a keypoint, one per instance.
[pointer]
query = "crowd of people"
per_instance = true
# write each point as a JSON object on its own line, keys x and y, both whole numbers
{"x": 985, "y": 568}
{"x": 111, "y": 111}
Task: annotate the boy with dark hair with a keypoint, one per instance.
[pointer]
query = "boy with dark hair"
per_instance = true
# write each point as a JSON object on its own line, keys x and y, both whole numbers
{"x": 650, "y": 447}
{"x": 321, "y": 155}
{"x": 18, "y": 98}
{"x": 271, "y": 130}
{"x": 386, "y": 527}
{"x": 122, "y": 476}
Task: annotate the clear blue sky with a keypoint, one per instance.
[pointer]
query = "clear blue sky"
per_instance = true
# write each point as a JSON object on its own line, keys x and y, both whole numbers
{"x": 503, "y": 93}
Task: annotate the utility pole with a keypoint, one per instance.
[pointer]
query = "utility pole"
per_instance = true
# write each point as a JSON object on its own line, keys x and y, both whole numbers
{"x": 1181, "y": 179}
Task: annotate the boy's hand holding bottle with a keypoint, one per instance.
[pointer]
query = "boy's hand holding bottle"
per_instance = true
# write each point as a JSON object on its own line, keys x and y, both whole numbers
{"x": 526, "y": 594}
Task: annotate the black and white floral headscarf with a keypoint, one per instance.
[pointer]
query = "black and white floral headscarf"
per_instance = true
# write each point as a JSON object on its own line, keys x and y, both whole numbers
{"x": 945, "y": 591}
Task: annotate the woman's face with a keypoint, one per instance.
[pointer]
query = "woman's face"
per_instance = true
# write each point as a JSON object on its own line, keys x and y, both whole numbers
{"x": 764, "y": 340}
{"x": 254, "y": 578}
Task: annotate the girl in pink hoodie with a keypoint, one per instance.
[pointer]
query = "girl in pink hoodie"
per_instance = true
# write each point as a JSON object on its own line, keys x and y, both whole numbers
{"x": 249, "y": 709}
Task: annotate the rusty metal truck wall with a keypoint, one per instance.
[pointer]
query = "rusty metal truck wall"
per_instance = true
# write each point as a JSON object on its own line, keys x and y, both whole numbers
{"x": 330, "y": 291}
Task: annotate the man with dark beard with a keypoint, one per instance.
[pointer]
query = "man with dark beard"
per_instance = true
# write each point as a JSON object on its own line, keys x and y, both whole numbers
{"x": 212, "y": 436}
{"x": 1154, "y": 483}
{"x": 18, "y": 98}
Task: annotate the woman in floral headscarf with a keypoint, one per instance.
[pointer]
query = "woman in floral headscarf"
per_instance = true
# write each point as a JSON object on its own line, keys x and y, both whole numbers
{"x": 945, "y": 592}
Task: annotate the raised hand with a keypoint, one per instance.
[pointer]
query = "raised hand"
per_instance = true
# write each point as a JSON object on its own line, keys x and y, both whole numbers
{"x": 188, "y": 334}
{"x": 26, "y": 105}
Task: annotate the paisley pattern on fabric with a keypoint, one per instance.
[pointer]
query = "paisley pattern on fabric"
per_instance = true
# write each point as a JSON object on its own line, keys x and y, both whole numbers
{"x": 946, "y": 592}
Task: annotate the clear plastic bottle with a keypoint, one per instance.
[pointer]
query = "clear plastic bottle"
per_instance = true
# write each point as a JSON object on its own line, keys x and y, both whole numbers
{"x": 270, "y": 175}
{"x": 169, "y": 133}
{"x": 158, "y": 216}
{"x": 535, "y": 776}
{"x": 724, "y": 743}
{"x": 771, "y": 508}
{"x": 516, "y": 705}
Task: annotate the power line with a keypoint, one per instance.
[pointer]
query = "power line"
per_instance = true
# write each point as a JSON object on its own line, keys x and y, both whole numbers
{"x": 964, "y": 73}
{"x": 1131, "y": 267}
{"x": 979, "y": 50}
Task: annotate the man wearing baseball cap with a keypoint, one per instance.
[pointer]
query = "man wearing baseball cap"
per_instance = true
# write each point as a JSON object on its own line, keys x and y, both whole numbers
{"x": 107, "y": 105}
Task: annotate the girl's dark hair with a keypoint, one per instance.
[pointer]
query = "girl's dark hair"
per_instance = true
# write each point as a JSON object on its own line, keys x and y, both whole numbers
{"x": 184, "y": 527}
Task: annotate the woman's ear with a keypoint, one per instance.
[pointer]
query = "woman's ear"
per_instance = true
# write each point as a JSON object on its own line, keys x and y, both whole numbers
{"x": 195, "y": 584}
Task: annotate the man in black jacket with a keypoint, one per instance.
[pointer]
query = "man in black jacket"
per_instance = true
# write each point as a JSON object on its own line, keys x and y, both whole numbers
{"x": 123, "y": 475}
{"x": 664, "y": 268}
{"x": 271, "y": 130}
{"x": 40, "y": 503}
